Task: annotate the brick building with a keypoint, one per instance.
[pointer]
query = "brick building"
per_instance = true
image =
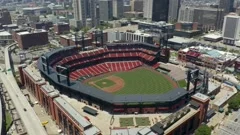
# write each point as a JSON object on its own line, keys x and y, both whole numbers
{"x": 98, "y": 37}
{"x": 237, "y": 65}
{"x": 15, "y": 31}
{"x": 5, "y": 17}
{"x": 27, "y": 39}
{"x": 70, "y": 40}
{"x": 61, "y": 28}
{"x": 69, "y": 120}
{"x": 187, "y": 29}
{"x": 207, "y": 57}
{"x": 42, "y": 25}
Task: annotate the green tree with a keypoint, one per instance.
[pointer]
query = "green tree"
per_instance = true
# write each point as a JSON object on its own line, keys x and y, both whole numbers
{"x": 233, "y": 104}
{"x": 203, "y": 130}
{"x": 85, "y": 29}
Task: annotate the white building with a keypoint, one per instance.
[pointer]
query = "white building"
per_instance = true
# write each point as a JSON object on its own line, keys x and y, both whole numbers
{"x": 84, "y": 9}
{"x": 118, "y": 8}
{"x": 79, "y": 9}
{"x": 231, "y": 29}
{"x": 147, "y": 9}
{"x": 130, "y": 36}
{"x": 174, "y": 6}
{"x": 5, "y": 37}
{"x": 185, "y": 14}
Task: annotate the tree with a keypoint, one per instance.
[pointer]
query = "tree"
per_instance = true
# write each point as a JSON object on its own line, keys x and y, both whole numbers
{"x": 203, "y": 130}
{"x": 85, "y": 29}
{"x": 233, "y": 104}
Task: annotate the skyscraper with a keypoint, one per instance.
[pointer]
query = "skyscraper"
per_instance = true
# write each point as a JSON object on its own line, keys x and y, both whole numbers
{"x": 117, "y": 8}
{"x": 208, "y": 18}
{"x": 84, "y": 9}
{"x": 5, "y": 17}
{"x": 156, "y": 10}
{"x": 94, "y": 12}
{"x": 227, "y": 5}
{"x": 174, "y": 6}
{"x": 186, "y": 14}
{"x": 136, "y": 5}
{"x": 106, "y": 10}
{"x": 231, "y": 29}
{"x": 79, "y": 9}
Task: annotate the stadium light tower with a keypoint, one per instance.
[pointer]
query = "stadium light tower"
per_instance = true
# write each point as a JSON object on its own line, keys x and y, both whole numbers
{"x": 192, "y": 75}
{"x": 64, "y": 72}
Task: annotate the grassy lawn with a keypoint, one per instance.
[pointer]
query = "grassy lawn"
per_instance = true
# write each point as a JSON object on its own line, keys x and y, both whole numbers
{"x": 8, "y": 120}
{"x": 143, "y": 81}
{"x": 142, "y": 121}
{"x": 104, "y": 83}
{"x": 182, "y": 83}
{"x": 125, "y": 122}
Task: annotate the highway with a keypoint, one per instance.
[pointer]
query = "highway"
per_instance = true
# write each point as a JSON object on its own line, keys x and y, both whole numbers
{"x": 28, "y": 117}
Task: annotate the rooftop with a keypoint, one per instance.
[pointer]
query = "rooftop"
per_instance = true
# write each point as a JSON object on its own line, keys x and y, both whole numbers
{"x": 132, "y": 131}
{"x": 79, "y": 119}
{"x": 190, "y": 114}
{"x": 219, "y": 56}
{"x": 160, "y": 24}
{"x": 49, "y": 90}
{"x": 32, "y": 31}
{"x": 212, "y": 36}
{"x": 34, "y": 75}
{"x": 179, "y": 40}
{"x": 4, "y": 33}
{"x": 92, "y": 131}
{"x": 201, "y": 97}
{"x": 225, "y": 98}
{"x": 122, "y": 29}
{"x": 212, "y": 86}
{"x": 137, "y": 32}
{"x": 33, "y": 8}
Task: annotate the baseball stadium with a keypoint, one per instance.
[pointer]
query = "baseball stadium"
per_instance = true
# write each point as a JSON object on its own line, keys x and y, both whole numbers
{"x": 118, "y": 78}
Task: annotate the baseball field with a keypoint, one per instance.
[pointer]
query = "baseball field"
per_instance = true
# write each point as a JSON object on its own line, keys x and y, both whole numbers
{"x": 137, "y": 81}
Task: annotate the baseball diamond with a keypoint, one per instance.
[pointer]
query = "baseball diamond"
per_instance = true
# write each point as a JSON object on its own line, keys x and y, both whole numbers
{"x": 136, "y": 81}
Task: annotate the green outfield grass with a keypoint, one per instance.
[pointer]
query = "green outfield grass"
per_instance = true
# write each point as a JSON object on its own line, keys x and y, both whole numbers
{"x": 104, "y": 83}
{"x": 143, "y": 81}
{"x": 182, "y": 83}
{"x": 140, "y": 81}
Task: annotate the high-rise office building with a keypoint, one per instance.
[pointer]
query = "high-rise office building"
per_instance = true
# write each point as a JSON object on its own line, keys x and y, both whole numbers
{"x": 227, "y": 5}
{"x": 208, "y": 18}
{"x": 231, "y": 28}
{"x": 136, "y": 5}
{"x": 5, "y": 17}
{"x": 156, "y": 10}
{"x": 94, "y": 12}
{"x": 174, "y": 6}
{"x": 80, "y": 10}
{"x": 83, "y": 10}
{"x": 106, "y": 10}
{"x": 117, "y": 8}
{"x": 185, "y": 14}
